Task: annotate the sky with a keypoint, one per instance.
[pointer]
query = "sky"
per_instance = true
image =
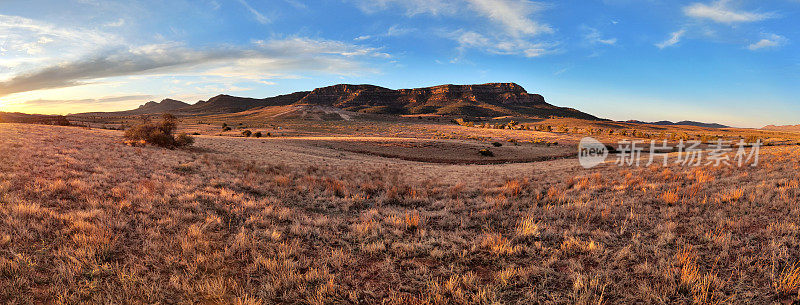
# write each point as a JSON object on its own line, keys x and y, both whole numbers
{"x": 734, "y": 62}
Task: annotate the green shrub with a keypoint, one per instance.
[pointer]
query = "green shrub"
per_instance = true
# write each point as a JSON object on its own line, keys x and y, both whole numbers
{"x": 247, "y": 133}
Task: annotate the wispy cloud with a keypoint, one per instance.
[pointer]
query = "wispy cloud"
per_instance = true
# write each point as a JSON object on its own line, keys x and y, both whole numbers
{"x": 514, "y": 15}
{"x": 501, "y": 45}
{"x": 120, "y": 22}
{"x": 768, "y": 42}
{"x": 104, "y": 100}
{"x": 593, "y": 36}
{"x": 258, "y": 15}
{"x": 721, "y": 11}
{"x": 674, "y": 39}
{"x": 258, "y": 59}
{"x": 410, "y": 7}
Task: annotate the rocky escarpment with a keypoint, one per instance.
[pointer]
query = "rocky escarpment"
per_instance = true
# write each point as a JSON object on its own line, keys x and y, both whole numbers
{"x": 486, "y": 100}
{"x": 495, "y": 99}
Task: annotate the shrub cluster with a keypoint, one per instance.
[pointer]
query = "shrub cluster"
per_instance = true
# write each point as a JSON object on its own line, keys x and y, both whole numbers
{"x": 158, "y": 134}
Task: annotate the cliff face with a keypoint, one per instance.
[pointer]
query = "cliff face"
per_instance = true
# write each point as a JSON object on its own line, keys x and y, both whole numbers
{"x": 496, "y": 99}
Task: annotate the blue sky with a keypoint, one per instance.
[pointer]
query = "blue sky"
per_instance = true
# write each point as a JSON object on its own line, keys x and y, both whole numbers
{"x": 730, "y": 61}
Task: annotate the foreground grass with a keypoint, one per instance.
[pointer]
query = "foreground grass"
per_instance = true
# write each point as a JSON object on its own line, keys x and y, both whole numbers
{"x": 84, "y": 218}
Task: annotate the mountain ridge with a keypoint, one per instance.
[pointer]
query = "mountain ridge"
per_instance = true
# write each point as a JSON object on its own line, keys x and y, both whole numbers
{"x": 479, "y": 100}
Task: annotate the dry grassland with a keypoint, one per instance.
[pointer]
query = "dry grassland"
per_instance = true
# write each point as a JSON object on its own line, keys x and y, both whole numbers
{"x": 86, "y": 219}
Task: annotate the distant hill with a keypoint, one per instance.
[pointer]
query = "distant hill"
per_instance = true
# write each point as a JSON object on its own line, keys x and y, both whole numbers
{"x": 229, "y": 104}
{"x": 16, "y": 117}
{"x": 683, "y": 123}
{"x": 151, "y": 107}
{"x": 486, "y": 100}
{"x": 789, "y": 128}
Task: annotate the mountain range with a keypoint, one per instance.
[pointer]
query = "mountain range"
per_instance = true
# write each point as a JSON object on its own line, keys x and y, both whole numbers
{"x": 683, "y": 123}
{"x": 485, "y": 100}
{"x": 790, "y": 128}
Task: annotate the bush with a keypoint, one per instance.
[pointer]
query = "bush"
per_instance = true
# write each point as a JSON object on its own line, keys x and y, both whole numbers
{"x": 158, "y": 134}
{"x": 226, "y": 128}
{"x": 257, "y": 134}
{"x": 486, "y": 153}
{"x": 497, "y": 144}
{"x": 247, "y": 133}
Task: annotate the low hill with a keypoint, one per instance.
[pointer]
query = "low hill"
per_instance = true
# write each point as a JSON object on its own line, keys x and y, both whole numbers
{"x": 16, "y": 117}
{"x": 681, "y": 123}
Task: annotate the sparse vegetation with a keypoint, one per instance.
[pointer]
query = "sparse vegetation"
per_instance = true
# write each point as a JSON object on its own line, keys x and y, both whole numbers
{"x": 86, "y": 219}
{"x": 158, "y": 134}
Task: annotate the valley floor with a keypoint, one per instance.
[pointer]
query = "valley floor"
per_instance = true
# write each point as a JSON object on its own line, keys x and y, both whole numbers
{"x": 84, "y": 218}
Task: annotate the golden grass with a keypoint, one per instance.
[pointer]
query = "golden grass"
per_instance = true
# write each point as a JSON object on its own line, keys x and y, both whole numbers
{"x": 86, "y": 219}
{"x": 788, "y": 282}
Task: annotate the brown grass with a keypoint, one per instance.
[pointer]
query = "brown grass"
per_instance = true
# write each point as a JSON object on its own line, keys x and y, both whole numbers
{"x": 86, "y": 219}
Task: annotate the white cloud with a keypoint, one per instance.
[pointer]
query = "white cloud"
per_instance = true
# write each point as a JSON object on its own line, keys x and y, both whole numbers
{"x": 258, "y": 15}
{"x": 254, "y": 62}
{"x": 513, "y": 14}
{"x": 674, "y": 39}
{"x": 120, "y": 22}
{"x": 720, "y": 11}
{"x": 594, "y": 37}
{"x": 770, "y": 41}
{"x": 411, "y": 7}
{"x": 501, "y": 45}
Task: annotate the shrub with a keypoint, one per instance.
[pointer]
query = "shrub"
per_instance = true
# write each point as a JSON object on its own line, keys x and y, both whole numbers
{"x": 486, "y": 152}
{"x": 183, "y": 140}
{"x": 158, "y": 134}
{"x": 257, "y": 134}
{"x": 226, "y": 128}
{"x": 247, "y": 133}
{"x": 497, "y": 144}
